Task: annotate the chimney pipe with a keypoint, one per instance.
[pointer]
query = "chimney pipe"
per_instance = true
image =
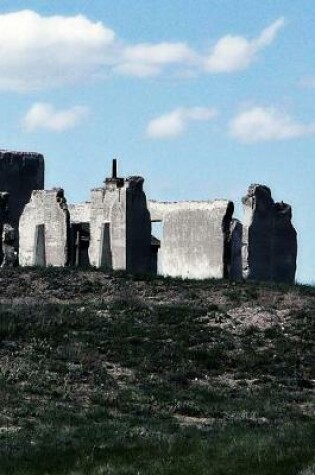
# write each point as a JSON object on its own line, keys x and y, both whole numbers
{"x": 114, "y": 172}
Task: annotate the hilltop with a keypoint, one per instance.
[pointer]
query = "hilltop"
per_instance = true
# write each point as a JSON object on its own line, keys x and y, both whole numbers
{"x": 118, "y": 374}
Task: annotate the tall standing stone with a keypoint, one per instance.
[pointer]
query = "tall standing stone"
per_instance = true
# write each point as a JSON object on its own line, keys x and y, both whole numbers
{"x": 120, "y": 225}
{"x": 20, "y": 174}
{"x": 44, "y": 230}
{"x": 284, "y": 245}
{"x": 269, "y": 239}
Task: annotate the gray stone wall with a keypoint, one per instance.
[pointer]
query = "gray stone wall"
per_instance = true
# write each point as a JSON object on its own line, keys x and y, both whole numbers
{"x": 80, "y": 212}
{"x": 113, "y": 230}
{"x": 31, "y": 219}
{"x": 20, "y": 174}
{"x": 120, "y": 226}
{"x": 44, "y": 230}
{"x": 269, "y": 239}
{"x": 284, "y": 245}
{"x": 102, "y": 202}
{"x": 159, "y": 209}
{"x": 193, "y": 241}
{"x": 138, "y": 227}
{"x": 57, "y": 223}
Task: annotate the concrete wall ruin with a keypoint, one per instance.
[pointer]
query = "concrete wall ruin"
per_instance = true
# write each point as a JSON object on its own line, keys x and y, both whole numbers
{"x": 269, "y": 239}
{"x": 20, "y": 174}
{"x": 80, "y": 212}
{"x": 120, "y": 226}
{"x": 44, "y": 230}
{"x": 31, "y": 227}
{"x": 193, "y": 242}
{"x": 113, "y": 230}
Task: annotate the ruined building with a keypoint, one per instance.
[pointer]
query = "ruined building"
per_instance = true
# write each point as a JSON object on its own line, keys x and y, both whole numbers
{"x": 113, "y": 230}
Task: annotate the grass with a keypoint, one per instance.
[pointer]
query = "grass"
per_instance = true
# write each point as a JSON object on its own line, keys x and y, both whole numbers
{"x": 137, "y": 375}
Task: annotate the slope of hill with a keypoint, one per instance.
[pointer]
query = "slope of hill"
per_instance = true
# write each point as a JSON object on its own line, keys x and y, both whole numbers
{"x": 114, "y": 374}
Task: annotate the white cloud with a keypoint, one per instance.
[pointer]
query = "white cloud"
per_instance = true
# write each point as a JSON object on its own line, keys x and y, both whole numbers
{"x": 268, "y": 34}
{"x": 174, "y": 123}
{"x": 140, "y": 70}
{"x": 260, "y": 124}
{"x": 38, "y": 52}
{"x": 149, "y": 59}
{"x": 45, "y": 116}
{"x": 235, "y": 53}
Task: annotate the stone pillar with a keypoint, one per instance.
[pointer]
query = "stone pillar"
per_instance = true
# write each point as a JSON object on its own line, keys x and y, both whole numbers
{"x": 236, "y": 232}
{"x": 138, "y": 227}
{"x": 284, "y": 245}
{"x": 44, "y": 230}
{"x": 101, "y": 203}
{"x": 257, "y": 231}
{"x": 31, "y": 221}
{"x": 269, "y": 239}
{"x": 57, "y": 228}
{"x": 120, "y": 226}
{"x": 20, "y": 174}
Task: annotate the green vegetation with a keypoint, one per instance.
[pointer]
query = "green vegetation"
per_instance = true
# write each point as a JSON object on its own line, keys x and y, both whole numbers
{"x": 118, "y": 374}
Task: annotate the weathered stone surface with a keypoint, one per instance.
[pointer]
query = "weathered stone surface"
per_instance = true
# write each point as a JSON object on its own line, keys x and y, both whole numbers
{"x": 44, "y": 230}
{"x": 57, "y": 224}
{"x": 236, "y": 232}
{"x": 284, "y": 245}
{"x": 4, "y": 215}
{"x": 269, "y": 239}
{"x": 32, "y": 218}
{"x": 80, "y": 212}
{"x": 138, "y": 227}
{"x": 20, "y": 174}
{"x": 120, "y": 226}
{"x": 100, "y": 243}
{"x": 257, "y": 233}
{"x": 9, "y": 252}
{"x": 4, "y": 205}
{"x": 193, "y": 242}
{"x": 159, "y": 209}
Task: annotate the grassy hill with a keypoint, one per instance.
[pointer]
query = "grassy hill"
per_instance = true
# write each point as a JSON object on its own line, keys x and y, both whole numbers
{"x": 114, "y": 374}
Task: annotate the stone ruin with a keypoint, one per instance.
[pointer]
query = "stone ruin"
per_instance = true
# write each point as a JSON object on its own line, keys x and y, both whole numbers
{"x": 269, "y": 244}
{"x": 200, "y": 239}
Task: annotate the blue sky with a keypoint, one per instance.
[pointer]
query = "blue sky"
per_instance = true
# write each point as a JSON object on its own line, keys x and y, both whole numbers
{"x": 201, "y": 97}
